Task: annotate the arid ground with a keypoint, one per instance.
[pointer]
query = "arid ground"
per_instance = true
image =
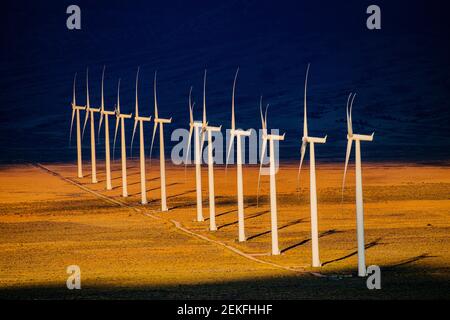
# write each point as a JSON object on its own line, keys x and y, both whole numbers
{"x": 49, "y": 219}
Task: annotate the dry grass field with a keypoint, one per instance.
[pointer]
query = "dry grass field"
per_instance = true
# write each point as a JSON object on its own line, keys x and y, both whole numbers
{"x": 49, "y": 220}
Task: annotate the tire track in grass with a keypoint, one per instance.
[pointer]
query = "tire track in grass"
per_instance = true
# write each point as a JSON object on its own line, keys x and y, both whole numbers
{"x": 179, "y": 226}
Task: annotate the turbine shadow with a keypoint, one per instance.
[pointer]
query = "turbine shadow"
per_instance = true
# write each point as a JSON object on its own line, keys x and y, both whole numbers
{"x": 129, "y": 184}
{"x": 168, "y": 185}
{"x": 410, "y": 260}
{"x": 279, "y": 228}
{"x": 247, "y": 218}
{"x": 229, "y": 211}
{"x": 181, "y": 194}
{"x": 326, "y": 233}
{"x": 367, "y": 246}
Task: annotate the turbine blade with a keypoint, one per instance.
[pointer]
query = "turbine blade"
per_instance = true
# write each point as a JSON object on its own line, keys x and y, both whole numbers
{"x": 350, "y": 114}
{"x": 233, "y": 121}
{"x": 74, "y": 98}
{"x": 202, "y": 141}
{"x": 99, "y": 128}
{"x": 115, "y": 135}
{"x": 349, "y": 130}
{"x": 229, "y": 151}
{"x": 347, "y": 157}
{"x": 132, "y": 138}
{"x": 103, "y": 98}
{"x": 302, "y": 156}
{"x": 87, "y": 89}
{"x": 260, "y": 111}
{"x": 153, "y": 140}
{"x": 118, "y": 98}
{"x": 305, "y": 118}
{"x": 204, "y": 99}
{"x": 136, "y": 103}
{"x": 191, "y": 107}
{"x": 85, "y": 122}
{"x": 102, "y": 105}
{"x": 265, "y": 117}
{"x": 71, "y": 126}
{"x": 191, "y": 129}
{"x": 156, "y": 101}
{"x": 263, "y": 151}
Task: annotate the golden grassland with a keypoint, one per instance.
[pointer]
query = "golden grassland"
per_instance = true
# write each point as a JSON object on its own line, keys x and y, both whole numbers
{"x": 49, "y": 219}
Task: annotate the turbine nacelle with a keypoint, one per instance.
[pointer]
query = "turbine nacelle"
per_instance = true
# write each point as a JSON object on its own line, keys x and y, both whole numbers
{"x": 314, "y": 139}
{"x": 161, "y": 120}
{"x": 125, "y": 116}
{"x": 213, "y": 128}
{"x": 240, "y": 132}
{"x": 139, "y": 118}
{"x": 361, "y": 137}
{"x": 274, "y": 137}
{"x": 197, "y": 124}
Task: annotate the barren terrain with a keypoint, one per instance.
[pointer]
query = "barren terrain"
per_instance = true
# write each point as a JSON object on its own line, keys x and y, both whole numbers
{"x": 49, "y": 219}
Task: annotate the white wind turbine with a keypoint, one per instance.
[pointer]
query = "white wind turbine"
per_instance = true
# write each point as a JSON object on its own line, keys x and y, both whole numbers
{"x": 312, "y": 178}
{"x": 90, "y": 113}
{"x": 106, "y": 114}
{"x": 240, "y": 188}
{"x": 210, "y": 129}
{"x": 162, "y": 167}
{"x": 359, "y": 195}
{"x": 272, "y": 171}
{"x": 141, "y": 120}
{"x": 120, "y": 117}
{"x": 76, "y": 110}
{"x": 197, "y": 125}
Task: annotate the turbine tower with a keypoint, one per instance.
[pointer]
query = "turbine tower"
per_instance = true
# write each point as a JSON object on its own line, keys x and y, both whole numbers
{"x": 209, "y": 130}
{"x": 197, "y": 125}
{"x": 141, "y": 120}
{"x": 120, "y": 118}
{"x": 359, "y": 195}
{"x": 76, "y": 110}
{"x": 90, "y": 113}
{"x": 272, "y": 171}
{"x": 240, "y": 188}
{"x": 106, "y": 114}
{"x": 162, "y": 167}
{"x": 312, "y": 178}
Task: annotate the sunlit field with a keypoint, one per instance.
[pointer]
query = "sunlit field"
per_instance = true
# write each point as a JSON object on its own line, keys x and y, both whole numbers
{"x": 49, "y": 219}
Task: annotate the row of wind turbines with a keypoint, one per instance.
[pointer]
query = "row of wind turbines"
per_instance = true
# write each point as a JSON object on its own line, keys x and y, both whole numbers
{"x": 120, "y": 122}
{"x": 202, "y": 131}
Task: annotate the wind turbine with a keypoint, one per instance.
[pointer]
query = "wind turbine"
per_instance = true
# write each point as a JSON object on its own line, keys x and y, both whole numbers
{"x": 120, "y": 117}
{"x": 210, "y": 129}
{"x": 240, "y": 188}
{"x": 272, "y": 171}
{"x": 141, "y": 120}
{"x": 312, "y": 178}
{"x": 90, "y": 112}
{"x": 204, "y": 122}
{"x": 359, "y": 195}
{"x": 197, "y": 125}
{"x": 162, "y": 166}
{"x": 76, "y": 110}
{"x": 106, "y": 114}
